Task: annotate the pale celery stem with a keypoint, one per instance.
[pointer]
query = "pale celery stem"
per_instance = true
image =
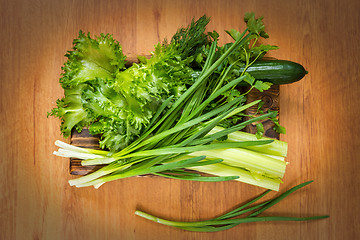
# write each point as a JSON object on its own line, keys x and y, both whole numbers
{"x": 277, "y": 147}
{"x": 247, "y": 159}
{"x": 220, "y": 169}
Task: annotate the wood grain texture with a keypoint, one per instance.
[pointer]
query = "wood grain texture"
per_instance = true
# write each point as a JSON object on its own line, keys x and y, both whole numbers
{"x": 320, "y": 113}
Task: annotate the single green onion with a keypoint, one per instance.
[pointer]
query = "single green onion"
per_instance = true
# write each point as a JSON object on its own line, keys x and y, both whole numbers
{"x": 230, "y": 220}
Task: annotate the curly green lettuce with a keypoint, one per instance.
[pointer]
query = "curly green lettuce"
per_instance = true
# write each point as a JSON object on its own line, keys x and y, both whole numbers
{"x": 118, "y": 103}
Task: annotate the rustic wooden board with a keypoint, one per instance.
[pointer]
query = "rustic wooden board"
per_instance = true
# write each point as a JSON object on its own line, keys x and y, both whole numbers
{"x": 86, "y": 140}
{"x": 271, "y": 102}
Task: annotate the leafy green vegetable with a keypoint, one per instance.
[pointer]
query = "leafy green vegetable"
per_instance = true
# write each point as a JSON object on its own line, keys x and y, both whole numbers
{"x": 156, "y": 116}
{"x": 91, "y": 59}
{"x": 255, "y": 25}
{"x": 182, "y": 109}
{"x": 70, "y": 109}
{"x": 99, "y": 57}
{"x": 231, "y": 219}
{"x": 118, "y": 103}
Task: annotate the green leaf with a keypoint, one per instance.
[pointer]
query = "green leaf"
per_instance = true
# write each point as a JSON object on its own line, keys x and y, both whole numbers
{"x": 259, "y": 130}
{"x": 259, "y": 51}
{"x": 199, "y": 58}
{"x": 98, "y": 57}
{"x": 142, "y": 59}
{"x": 280, "y": 129}
{"x": 248, "y": 16}
{"x": 234, "y": 34}
{"x": 214, "y": 35}
{"x": 255, "y": 25}
{"x": 259, "y": 108}
{"x": 249, "y": 79}
{"x": 262, "y": 86}
{"x": 188, "y": 40}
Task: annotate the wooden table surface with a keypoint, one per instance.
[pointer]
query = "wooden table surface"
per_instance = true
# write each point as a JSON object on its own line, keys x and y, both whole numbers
{"x": 321, "y": 114}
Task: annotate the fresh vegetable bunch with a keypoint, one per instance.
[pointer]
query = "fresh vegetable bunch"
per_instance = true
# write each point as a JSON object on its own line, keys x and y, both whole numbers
{"x": 180, "y": 109}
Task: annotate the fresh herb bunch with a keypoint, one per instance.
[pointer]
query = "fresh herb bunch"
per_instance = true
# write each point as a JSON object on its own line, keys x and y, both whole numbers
{"x": 182, "y": 109}
{"x": 154, "y": 117}
{"x": 118, "y": 103}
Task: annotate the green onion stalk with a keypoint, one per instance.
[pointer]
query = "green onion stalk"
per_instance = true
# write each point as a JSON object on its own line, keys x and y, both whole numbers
{"x": 246, "y": 213}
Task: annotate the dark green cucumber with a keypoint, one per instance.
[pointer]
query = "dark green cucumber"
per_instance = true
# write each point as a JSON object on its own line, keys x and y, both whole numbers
{"x": 276, "y": 71}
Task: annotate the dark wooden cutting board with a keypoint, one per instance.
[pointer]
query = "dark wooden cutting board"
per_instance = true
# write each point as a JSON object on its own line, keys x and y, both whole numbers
{"x": 269, "y": 97}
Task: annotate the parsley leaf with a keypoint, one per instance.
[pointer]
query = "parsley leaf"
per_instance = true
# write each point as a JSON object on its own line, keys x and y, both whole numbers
{"x": 255, "y": 25}
{"x": 261, "y": 86}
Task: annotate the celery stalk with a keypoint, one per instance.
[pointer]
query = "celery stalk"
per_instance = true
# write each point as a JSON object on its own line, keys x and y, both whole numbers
{"x": 244, "y": 158}
{"x": 220, "y": 169}
{"x": 276, "y": 148}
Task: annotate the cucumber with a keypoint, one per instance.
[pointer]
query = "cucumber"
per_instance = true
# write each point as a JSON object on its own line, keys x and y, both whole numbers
{"x": 276, "y": 71}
